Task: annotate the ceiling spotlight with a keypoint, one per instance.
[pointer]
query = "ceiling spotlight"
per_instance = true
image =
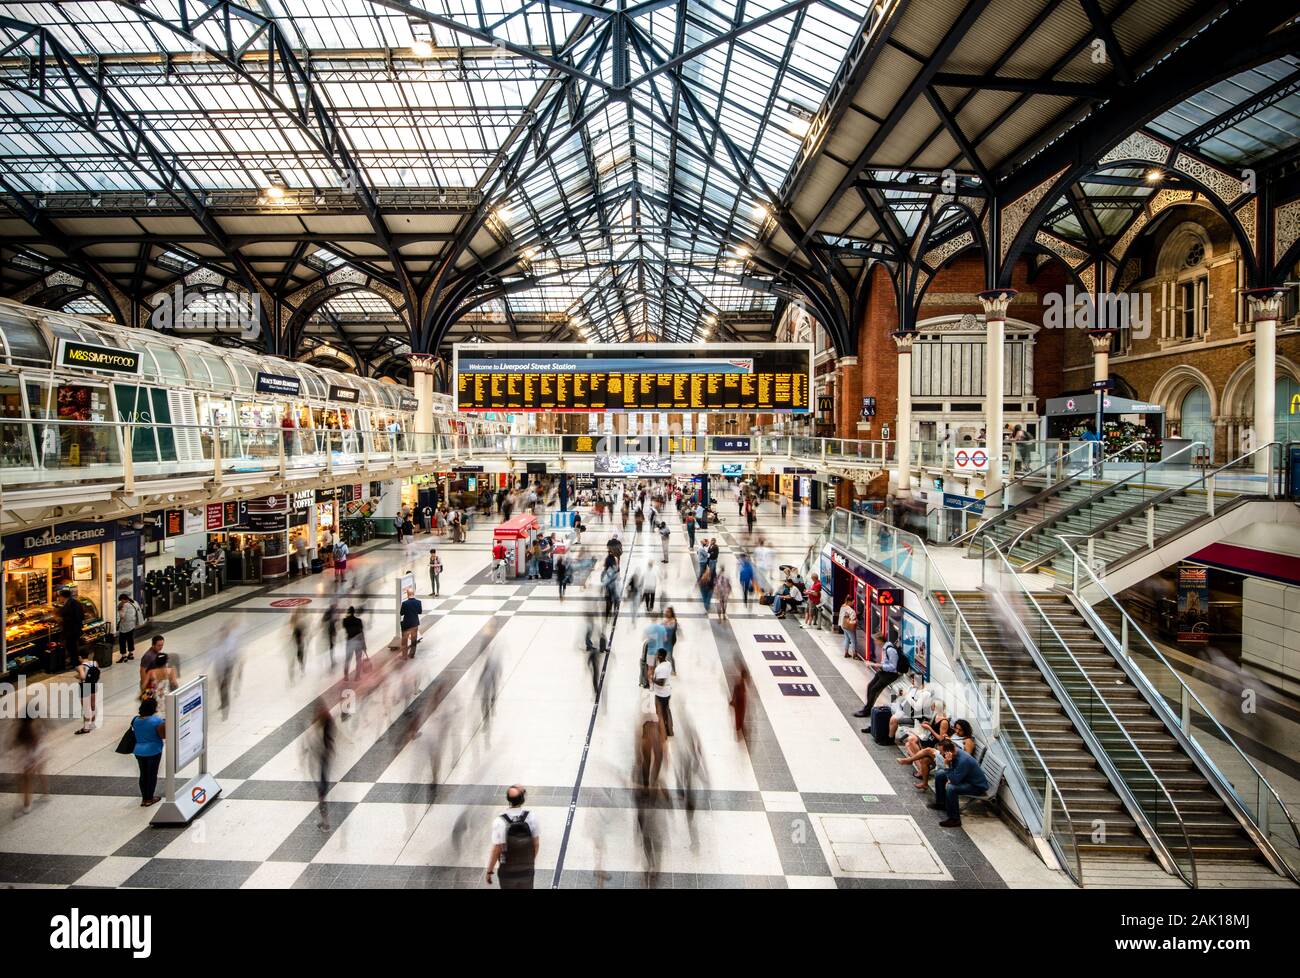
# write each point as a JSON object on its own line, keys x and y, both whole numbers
{"x": 274, "y": 193}
{"x": 742, "y": 251}
{"x": 1154, "y": 176}
{"x": 503, "y": 214}
{"x": 761, "y": 211}
{"x": 421, "y": 48}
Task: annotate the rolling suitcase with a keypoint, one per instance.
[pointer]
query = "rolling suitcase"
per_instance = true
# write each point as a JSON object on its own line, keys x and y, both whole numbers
{"x": 880, "y": 725}
{"x": 545, "y": 568}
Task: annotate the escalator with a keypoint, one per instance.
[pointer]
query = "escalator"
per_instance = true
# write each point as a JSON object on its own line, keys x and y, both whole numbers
{"x": 1083, "y": 784}
{"x": 1214, "y": 831}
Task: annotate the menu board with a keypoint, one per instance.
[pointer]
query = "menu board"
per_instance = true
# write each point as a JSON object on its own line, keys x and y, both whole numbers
{"x": 623, "y": 377}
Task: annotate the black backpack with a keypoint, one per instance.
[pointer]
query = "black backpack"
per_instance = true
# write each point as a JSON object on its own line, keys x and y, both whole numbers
{"x": 92, "y": 674}
{"x": 518, "y": 854}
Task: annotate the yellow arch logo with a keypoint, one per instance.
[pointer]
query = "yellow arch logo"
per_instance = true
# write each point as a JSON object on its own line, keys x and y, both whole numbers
{"x": 1295, "y": 404}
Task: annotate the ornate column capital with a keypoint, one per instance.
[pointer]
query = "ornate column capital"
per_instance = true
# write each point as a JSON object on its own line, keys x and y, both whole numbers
{"x": 996, "y": 302}
{"x": 847, "y": 362}
{"x": 1101, "y": 339}
{"x": 904, "y": 338}
{"x": 1265, "y": 303}
{"x": 423, "y": 363}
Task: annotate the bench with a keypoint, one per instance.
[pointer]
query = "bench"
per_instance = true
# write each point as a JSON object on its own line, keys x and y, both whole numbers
{"x": 994, "y": 770}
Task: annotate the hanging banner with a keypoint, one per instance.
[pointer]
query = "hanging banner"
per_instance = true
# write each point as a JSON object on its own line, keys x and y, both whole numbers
{"x": 1193, "y": 604}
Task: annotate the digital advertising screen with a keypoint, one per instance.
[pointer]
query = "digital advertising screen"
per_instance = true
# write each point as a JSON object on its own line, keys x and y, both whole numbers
{"x": 633, "y": 377}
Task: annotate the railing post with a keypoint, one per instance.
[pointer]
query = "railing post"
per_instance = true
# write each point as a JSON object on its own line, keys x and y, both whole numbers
{"x": 1209, "y": 495}
{"x": 216, "y": 455}
{"x": 279, "y": 446}
{"x": 1074, "y": 568}
{"x": 1261, "y": 804}
{"x": 1091, "y": 541}
{"x": 1123, "y": 637}
{"x": 128, "y": 463}
{"x": 1185, "y": 718}
{"x": 1047, "y": 809}
{"x": 1151, "y": 526}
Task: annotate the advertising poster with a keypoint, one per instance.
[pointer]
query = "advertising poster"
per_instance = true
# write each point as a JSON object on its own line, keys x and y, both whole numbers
{"x": 1193, "y": 604}
{"x": 189, "y": 726}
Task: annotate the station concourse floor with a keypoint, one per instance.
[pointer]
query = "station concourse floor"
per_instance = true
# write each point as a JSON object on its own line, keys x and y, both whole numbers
{"x": 804, "y": 801}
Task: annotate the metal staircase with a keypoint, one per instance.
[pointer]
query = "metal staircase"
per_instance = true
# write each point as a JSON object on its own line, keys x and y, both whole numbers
{"x": 1037, "y": 543}
{"x": 1162, "y": 518}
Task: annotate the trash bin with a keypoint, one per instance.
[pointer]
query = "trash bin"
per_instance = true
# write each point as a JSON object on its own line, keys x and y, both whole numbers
{"x": 104, "y": 655}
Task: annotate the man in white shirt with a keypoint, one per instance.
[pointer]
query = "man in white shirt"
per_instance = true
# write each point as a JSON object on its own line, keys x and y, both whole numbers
{"x": 663, "y": 690}
{"x": 516, "y": 839}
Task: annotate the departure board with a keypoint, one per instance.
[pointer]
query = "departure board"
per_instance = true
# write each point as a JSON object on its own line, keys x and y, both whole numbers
{"x": 771, "y": 377}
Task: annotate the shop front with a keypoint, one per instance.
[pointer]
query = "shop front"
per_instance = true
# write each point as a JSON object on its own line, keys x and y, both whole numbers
{"x": 39, "y": 566}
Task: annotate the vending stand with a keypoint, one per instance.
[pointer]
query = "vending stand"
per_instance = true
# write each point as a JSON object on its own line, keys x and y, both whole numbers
{"x": 516, "y": 533}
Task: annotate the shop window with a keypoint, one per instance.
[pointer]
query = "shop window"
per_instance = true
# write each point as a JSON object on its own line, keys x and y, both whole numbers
{"x": 15, "y": 436}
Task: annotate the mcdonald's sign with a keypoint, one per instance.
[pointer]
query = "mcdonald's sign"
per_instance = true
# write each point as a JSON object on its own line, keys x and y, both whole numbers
{"x": 1295, "y": 404}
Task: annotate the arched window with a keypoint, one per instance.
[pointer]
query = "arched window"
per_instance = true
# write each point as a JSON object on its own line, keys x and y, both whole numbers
{"x": 1194, "y": 415}
{"x": 1287, "y": 414}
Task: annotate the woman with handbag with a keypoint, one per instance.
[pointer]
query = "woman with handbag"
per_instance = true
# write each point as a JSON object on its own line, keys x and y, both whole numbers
{"x": 129, "y": 618}
{"x": 149, "y": 731}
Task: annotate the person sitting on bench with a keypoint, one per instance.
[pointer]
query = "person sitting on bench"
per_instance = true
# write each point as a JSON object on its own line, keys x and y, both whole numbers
{"x": 921, "y": 750}
{"x": 962, "y": 776}
{"x": 786, "y": 599}
{"x": 925, "y": 758}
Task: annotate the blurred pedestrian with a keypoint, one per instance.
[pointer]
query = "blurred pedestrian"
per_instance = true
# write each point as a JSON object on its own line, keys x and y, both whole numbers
{"x": 29, "y": 743}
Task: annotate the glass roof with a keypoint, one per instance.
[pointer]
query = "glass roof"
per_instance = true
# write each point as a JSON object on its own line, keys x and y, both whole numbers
{"x": 1243, "y": 119}
{"x": 629, "y": 193}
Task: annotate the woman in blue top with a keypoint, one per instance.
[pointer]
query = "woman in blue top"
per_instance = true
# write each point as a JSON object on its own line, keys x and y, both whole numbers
{"x": 150, "y": 732}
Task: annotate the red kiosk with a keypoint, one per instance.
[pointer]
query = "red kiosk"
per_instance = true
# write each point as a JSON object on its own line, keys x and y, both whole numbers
{"x": 516, "y": 533}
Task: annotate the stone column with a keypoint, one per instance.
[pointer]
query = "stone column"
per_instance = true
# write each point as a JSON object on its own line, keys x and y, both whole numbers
{"x": 423, "y": 366}
{"x": 1101, "y": 340}
{"x": 995, "y": 303}
{"x": 903, "y": 457}
{"x": 849, "y": 403}
{"x": 1265, "y": 310}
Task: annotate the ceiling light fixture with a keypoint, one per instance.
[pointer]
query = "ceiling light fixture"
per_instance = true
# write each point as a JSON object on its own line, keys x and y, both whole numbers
{"x": 761, "y": 211}
{"x": 421, "y": 48}
{"x": 1154, "y": 176}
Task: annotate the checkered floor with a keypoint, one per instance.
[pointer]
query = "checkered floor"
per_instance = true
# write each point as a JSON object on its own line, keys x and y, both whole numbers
{"x": 803, "y": 800}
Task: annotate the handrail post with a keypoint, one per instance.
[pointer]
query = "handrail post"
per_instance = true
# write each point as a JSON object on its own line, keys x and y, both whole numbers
{"x": 1047, "y": 809}
{"x": 279, "y": 447}
{"x": 1151, "y": 526}
{"x": 1209, "y": 495}
{"x": 1185, "y": 713}
{"x": 128, "y": 463}
{"x": 216, "y": 455}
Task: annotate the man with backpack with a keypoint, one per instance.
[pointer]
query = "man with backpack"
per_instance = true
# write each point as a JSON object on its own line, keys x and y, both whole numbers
{"x": 516, "y": 839}
{"x": 663, "y": 539}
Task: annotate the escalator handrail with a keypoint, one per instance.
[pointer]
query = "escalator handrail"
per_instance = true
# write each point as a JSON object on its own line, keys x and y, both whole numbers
{"x": 1155, "y": 696}
{"x": 1089, "y": 500}
{"x": 999, "y": 689}
{"x": 1137, "y": 751}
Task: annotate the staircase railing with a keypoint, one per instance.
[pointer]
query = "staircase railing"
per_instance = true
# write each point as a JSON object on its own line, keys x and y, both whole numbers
{"x": 906, "y": 556}
{"x": 1262, "y": 811}
{"x": 1077, "y": 463}
{"x": 1213, "y": 502}
{"x": 1138, "y": 482}
{"x": 1122, "y": 760}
